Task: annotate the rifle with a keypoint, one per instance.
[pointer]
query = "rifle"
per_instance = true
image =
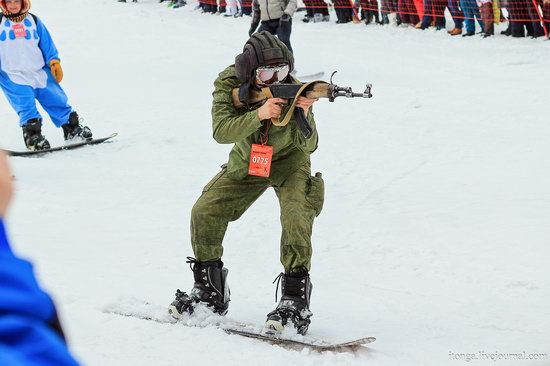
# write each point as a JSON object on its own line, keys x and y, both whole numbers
{"x": 246, "y": 97}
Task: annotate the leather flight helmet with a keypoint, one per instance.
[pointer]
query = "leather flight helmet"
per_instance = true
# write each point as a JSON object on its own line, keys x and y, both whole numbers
{"x": 262, "y": 49}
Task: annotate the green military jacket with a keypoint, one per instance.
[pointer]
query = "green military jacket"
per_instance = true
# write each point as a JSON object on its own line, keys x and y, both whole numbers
{"x": 242, "y": 128}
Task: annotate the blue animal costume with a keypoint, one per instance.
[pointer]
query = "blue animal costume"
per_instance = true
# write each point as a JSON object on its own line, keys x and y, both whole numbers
{"x": 30, "y": 70}
{"x": 30, "y": 333}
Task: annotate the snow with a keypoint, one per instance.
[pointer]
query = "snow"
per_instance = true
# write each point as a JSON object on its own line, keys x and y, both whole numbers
{"x": 434, "y": 235}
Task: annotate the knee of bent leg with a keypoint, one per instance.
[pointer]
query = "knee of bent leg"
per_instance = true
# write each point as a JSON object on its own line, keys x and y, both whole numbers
{"x": 209, "y": 207}
{"x": 201, "y": 209}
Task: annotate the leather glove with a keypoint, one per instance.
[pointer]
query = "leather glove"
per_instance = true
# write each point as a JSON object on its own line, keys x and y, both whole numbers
{"x": 57, "y": 71}
{"x": 285, "y": 18}
{"x": 253, "y": 27}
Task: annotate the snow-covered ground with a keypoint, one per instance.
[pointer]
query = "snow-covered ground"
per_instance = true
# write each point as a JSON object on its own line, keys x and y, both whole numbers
{"x": 435, "y": 233}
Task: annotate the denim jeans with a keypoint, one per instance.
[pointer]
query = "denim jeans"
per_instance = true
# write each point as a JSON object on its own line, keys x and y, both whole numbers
{"x": 471, "y": 12}
{"x": 280, "y": 29}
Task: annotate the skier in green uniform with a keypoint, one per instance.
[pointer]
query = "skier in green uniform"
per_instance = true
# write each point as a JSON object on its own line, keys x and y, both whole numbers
{"x": 263, "y": 156}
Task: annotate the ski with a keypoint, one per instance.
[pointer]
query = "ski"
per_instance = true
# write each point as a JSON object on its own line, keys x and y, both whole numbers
{"x": 203, "y": 318}
{"x": 69, "y": 146}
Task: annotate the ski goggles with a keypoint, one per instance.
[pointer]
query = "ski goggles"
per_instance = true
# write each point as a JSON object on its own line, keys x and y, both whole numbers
{"x": 270, "y": 74}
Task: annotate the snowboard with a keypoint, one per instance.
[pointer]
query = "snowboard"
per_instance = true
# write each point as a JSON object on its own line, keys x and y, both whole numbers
{"x": 300, "y": 341}
{"x": 69, "y": 146}
{"x": 203, "y": 318}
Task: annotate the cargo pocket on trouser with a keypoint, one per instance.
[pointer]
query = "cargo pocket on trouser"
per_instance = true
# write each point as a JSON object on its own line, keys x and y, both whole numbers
{"x": 215, "y": 179}
{"x": 315, "y": 194}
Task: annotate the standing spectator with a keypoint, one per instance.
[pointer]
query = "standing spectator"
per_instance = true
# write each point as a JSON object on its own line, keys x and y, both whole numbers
{"x": 222, "y": 6}
{"x": 434, "y": 10}
{"x": 527, "y": 19}
{"x": 232, "y": 8}
{"x": 546, "y": 15}
{"x": 458, "y": 17}
{"x": 389, "y": 12}
{"x": 276, "y": 18}
{"x": 505, "y": 5}
{"x": 471, "y": 13}
{"x": 369, "y": 11}
{"x": 407, "y": 12}
{"x": 344, "y": 11}
{"x": 246, "y": 7}
{"x": 209, "y": 6}
{"x": 314, "y": 7}
{"x": 178, "y": 3}
{"x": 487, "y": 16}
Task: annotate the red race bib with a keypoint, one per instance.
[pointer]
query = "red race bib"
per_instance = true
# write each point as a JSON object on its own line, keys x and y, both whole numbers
{"x": 19, "y": 30}
{"x": 260, "y": 160}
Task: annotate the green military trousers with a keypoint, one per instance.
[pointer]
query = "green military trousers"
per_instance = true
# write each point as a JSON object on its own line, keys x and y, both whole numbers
{"x": 224, "y": 200}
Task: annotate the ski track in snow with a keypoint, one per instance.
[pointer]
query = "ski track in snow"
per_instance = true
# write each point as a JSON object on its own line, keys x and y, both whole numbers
{"x": 434, "y": 235}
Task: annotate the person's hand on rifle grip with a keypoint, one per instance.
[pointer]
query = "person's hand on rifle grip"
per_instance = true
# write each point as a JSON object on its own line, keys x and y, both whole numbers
{"x": 305, "y": 104}
{"x": 272, "y": 108}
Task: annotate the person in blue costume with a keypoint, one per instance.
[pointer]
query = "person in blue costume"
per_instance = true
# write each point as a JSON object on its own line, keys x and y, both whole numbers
{"x": 30, "y": 333}
{"x": 30, "y": 70}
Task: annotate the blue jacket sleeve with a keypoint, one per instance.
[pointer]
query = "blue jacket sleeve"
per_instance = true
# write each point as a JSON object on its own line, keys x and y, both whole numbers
{"x": 4, "y": 246}
{"x": 28, "y": 334}
{"x": 46, "y": 43}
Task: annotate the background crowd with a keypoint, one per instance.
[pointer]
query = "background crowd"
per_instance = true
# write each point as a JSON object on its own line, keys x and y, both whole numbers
{"x": 524, "y": 17}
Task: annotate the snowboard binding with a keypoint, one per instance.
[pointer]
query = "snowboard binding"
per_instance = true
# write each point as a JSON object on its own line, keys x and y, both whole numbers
{"x": 73, "y": 129}
{"x": 293, "y": 307}
{"x": 32, "y": 134}
{"x": 210, "y": 289}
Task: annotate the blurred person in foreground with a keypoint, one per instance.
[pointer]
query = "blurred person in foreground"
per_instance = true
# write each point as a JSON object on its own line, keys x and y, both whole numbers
{"x": 30, "y": 332}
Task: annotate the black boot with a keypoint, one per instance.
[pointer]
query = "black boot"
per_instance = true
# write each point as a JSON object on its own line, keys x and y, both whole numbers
{"x": 210, "y": 288}
{"x": 32, "y": 134}
{"x": 377, "y": 17}
{"x": 294, "y": 305}
{"x": 508, "y": 30}
{"x": 366, "y": 16}
{"x": 74, "y": 129}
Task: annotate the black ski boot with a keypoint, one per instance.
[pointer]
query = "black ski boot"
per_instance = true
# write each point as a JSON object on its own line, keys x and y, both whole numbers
{"x": 32, "y": 134}
{"x": 294, "y": 305}
{"x": 74, "y": 129}
{"x": 210, "y": 288}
